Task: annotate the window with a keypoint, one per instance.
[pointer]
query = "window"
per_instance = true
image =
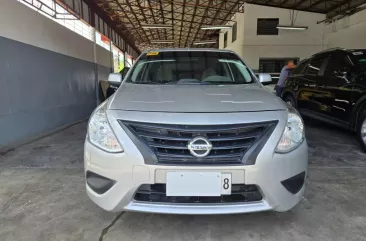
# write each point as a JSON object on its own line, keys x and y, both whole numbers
{"x": 118, "y": 59}
{"x": 102, "y": 40}
{"x": 267, "y": 26}
{"x": 196, "y": 67}
{"x": 128, "y": 60}
{"x": 301, "y": 67}
{"x": 267, "y": 65}
{"x": 225, "y": 40}
{"x": 336, "y": 63}
{"x": 59, "y": 14}
{"x": 234, "y": 30}
{"x": 315, "y": 65}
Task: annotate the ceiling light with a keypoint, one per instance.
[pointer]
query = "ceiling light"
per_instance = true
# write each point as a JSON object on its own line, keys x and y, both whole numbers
{"x": 162, "y": 41}
{"x": 205, "y": 42}
{"x": 292, "y": 27}
{"x": 156, "y": 26}
{"x": 208, "y": 27}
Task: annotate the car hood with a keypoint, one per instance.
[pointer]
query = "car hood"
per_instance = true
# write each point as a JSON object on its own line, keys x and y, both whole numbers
{"x": 195, "y": 98}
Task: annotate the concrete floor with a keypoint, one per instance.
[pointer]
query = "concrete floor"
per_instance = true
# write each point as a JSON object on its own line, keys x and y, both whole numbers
{"x": 42, "y": 197}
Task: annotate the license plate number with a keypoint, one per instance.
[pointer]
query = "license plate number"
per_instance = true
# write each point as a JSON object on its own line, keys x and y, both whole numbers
{"x": 204, "y": 184}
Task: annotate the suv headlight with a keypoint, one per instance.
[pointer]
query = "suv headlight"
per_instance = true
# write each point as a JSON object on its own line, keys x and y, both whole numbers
{"x": 100, "y": 133}
{"x": 293, "y": 135}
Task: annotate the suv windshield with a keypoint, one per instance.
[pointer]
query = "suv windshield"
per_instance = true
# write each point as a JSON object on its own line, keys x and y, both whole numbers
{"x": 190, "y": 67}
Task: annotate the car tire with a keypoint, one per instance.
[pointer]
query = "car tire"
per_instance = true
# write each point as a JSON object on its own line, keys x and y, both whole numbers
{"x": 290, "y": 100}
{"x": 361, "y": 129}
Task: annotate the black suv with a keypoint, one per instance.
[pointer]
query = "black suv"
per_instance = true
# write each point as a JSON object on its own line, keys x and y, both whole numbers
{"x": 331, "y": 86}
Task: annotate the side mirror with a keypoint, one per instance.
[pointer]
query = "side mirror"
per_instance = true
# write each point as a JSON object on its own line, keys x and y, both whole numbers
{"x": 124, "y": 72}
{"x": 115, "y": 79}
{"x": 265, "y": 79}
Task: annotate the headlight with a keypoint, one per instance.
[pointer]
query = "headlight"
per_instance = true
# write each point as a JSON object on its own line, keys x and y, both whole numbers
{"x": 293, "y": 134}
{"x": 100, "y": 133}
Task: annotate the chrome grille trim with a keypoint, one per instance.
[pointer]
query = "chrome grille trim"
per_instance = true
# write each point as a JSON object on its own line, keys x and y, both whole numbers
{"x": 169, "y": 142}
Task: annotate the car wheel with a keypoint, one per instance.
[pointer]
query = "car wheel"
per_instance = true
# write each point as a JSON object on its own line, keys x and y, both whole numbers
{"x": 361, "y": 130}
{"x": 290, "y": 101}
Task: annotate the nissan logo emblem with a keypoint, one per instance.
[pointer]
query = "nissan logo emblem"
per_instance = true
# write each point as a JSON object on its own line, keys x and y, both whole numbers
{"x": 199, "y": 147}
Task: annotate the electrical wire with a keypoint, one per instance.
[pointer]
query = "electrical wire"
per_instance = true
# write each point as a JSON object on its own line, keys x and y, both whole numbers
{"x": 293, "y": 17}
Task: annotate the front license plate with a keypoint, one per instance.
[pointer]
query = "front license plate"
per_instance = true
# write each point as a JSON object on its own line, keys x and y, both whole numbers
{"x": 194, "y": 184}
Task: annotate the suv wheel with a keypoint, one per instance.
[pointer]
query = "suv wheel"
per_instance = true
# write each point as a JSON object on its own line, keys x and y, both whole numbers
{"x": 361, "y": 130}
{"x": 290, "y": 101}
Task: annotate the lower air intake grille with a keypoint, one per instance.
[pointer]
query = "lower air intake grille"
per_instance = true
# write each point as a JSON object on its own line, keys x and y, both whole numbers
{"x": 229, "y": 142}
{"x": 156, "y": 193}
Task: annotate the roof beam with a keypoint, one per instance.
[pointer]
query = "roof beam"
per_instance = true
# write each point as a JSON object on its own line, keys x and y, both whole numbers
{"x": 181, "y": 24}
{"x": 190, "y": 25}
{"x": 102, "y": 14}
{"x": 116, "y": 1}
{"x": 169, "y": 18}
{"x": 228, "y": 14}
{"x": 153, "y": 17}
{"x": 162, "y": 15}
{"x": 287, "y": 7}
{"x": 312, "y": 4}
{"x": 202, "y": 19}
{"x": 299, "y": 3}
{"x": 172, "y": 13}
{"x": 134, "y": 14}
{"x": 350, "y": 5}
{"x": 144, "y": 16}
{"x": 284, "y": 2}
{"x": 214, "y": 18}
{"x": 202, "y": 6}
{"x": 166, "y": 12}
{"x": 334, "y": 7}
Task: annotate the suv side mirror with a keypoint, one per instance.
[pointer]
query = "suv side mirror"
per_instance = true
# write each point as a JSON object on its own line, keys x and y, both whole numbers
{"x": 265, "y": 79}
{"x": 115, "y": 79}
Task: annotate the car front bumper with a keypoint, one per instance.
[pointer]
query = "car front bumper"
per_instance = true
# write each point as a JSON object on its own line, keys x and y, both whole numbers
{"x": 129, "y": 174}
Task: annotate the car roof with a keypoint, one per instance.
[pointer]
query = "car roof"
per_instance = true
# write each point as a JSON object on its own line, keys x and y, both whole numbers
{"x": 337, "y": 49}
{"x": 303, "y": 60}
{"x": 330, "y": 51}
{"x": 356, "y": 50}
{"x": 189, "y": 49}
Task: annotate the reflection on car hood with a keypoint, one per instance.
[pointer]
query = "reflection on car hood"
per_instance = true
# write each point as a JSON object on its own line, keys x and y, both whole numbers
{"x": 195, "y": 98}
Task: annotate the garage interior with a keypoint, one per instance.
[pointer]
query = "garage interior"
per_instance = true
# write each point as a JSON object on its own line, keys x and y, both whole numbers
{"x": 56, "y": 57}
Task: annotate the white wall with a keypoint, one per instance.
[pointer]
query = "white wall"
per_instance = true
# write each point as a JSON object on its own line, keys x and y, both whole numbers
{"x": 33, "y": 28}
{"x": 48, "y": 74}
{"x": 237, "y": 45}
{"x": 349, "y": 32}
{"x": 103, "y": 56}
{"x": 288, "y": 43}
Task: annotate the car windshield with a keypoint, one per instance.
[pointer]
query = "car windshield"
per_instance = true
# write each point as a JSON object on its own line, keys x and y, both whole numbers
{"x": 359, "y": 58}
{"x": 190, "y": 67}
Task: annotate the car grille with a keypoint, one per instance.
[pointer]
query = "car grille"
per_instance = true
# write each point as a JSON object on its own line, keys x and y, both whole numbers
{"x": 157, "y": 193}
{"x": 229, "y": 142}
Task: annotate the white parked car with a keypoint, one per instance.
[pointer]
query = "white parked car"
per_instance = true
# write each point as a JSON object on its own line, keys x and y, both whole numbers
{"x": 193, "y": 131}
